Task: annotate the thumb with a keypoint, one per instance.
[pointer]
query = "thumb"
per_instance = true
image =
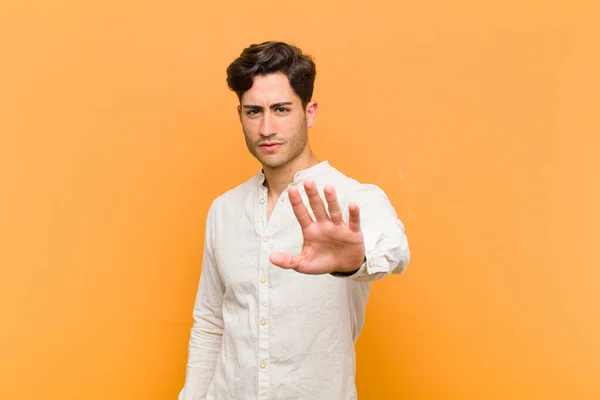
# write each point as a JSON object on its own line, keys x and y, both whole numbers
{"x": 284, "y": 260}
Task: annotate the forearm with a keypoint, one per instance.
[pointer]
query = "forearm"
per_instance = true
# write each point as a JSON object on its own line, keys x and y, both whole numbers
{"x": 203, "y": 352}
{"x": 389, "y": 255}
{"x": 207, "y": 331}
{"x": 386, "y": 244}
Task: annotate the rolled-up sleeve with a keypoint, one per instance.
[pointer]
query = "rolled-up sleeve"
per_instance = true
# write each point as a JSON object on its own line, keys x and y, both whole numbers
{"x": 386, "y": 244}
{"x": 207, "y": 331}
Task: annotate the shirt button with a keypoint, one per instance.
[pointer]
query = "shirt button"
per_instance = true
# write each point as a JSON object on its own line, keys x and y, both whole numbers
{"x": 263, "y": 365}
{"x": 265, "y": 239}
{"x": 263, "y": 279}
{"x": 262, "y": 201}
{"x": 263, "y": 321}
{"x": 370, "y": 263}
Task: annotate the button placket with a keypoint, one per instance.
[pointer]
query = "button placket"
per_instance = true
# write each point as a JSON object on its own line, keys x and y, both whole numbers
{"x": 263, "y": 300}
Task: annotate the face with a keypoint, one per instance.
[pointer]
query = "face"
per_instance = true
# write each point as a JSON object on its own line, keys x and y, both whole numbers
{"x": 274, "y": 122}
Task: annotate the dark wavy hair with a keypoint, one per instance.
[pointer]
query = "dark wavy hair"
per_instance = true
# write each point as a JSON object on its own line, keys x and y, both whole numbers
{"x": 269, "y": 58}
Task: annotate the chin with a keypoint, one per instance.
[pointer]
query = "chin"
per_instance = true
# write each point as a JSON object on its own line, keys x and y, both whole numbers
{"x": 274, "y": 162}
{"x": 272, "y": 165}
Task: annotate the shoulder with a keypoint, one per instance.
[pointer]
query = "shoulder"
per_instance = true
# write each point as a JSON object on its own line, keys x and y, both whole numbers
{"x": 371, "y": 199}
{"x": 350, "y": 189}
{"x": 234, "y": 196}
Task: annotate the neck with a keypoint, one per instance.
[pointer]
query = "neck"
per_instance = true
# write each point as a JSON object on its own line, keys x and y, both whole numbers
{"x": 279, "y": 178}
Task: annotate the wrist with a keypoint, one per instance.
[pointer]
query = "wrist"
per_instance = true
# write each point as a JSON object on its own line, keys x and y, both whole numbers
{"x": 352, "y": 272}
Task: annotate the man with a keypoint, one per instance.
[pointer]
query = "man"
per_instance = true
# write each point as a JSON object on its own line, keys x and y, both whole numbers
{"x": 286, "y": 274}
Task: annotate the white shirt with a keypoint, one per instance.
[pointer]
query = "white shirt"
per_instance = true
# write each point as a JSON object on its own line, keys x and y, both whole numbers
{"x": 263, "y": 332}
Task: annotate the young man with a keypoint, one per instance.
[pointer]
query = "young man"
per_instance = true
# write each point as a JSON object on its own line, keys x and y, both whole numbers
{"x": 289, "y": 256}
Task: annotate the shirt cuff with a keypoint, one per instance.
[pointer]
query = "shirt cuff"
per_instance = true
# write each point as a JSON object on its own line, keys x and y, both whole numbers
{"x": 374, "y": 267}
{"x": 351, "y": 274}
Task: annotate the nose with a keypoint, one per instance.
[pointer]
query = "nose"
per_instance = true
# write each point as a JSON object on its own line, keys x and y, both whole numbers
{"x": 266, "y": 125}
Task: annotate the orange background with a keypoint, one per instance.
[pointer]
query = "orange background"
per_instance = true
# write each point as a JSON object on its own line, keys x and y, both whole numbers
{"x": 480, "y": 119}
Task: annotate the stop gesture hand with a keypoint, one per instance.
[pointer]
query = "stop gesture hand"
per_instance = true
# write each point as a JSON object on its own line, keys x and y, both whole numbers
{"x": 330, "y": 245}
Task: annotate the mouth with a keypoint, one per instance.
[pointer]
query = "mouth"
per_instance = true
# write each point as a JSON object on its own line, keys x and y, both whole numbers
{"x": 270, "y": 146}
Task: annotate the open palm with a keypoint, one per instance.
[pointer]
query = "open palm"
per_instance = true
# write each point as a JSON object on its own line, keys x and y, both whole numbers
{"x": 330, "y": 245}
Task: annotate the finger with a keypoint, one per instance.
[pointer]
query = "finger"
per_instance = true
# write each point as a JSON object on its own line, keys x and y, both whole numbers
{"x": 335, "y": 211}
{"x": 315, "y": 200}
{"x": 284, "y": 260}
{"x": 299, "y": 208}
{"x": 354, "y": 218}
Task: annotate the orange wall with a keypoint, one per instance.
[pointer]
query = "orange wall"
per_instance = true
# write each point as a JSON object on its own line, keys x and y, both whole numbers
{"x": 479, "y": 118}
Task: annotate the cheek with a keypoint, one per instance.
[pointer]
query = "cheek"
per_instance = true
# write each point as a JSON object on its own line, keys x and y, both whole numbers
{"x": 291, "y": 125}
{"x": 250, "y": 127}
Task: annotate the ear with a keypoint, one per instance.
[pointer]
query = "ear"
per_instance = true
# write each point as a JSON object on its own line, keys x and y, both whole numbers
{"x": 239, "y": 110}
{"x": 311, "y": 113}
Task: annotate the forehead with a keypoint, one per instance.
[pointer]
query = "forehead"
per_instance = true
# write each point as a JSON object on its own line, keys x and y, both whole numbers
{"x": 269, "y": 89}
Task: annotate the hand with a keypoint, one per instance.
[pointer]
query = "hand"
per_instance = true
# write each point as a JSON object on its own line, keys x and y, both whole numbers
{"x": 330, "y": 245}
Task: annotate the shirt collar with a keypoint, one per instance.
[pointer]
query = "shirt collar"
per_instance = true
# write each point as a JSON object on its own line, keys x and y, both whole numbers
{"x": 301, "y": 175}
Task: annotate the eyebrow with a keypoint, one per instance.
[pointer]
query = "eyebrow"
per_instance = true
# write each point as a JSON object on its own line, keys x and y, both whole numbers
{"x": 272, "y": 106}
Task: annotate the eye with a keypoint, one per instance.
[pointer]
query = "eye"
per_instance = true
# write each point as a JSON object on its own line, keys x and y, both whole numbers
{"x": 282, "y": 110}
{"x": 252, "y": 112}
